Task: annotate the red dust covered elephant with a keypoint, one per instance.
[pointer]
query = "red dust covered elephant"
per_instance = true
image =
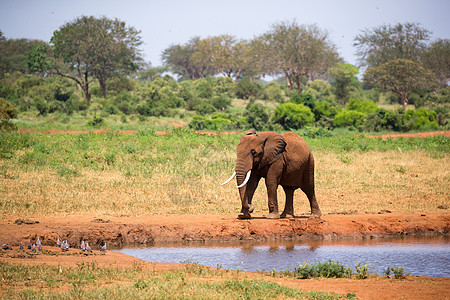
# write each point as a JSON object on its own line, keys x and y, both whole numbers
{"x": 282, "y": 159}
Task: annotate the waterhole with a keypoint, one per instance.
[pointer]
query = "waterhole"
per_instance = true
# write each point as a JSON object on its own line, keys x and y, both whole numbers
{"x": 418, "y": 256}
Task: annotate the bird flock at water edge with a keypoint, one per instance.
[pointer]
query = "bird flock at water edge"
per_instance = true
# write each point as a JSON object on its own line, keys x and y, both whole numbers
{"x": 64, "y": 246}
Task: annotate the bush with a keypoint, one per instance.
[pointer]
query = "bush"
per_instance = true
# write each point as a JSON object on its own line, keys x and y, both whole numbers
{"x": 218, "y": 123}
{"x": 383, "y": 119}
{"x": 246, "y": 89}
{"x": 422, "y": 118}
{"x": 329, "y": 269}
{"x": 274, "y": 92}
{"x": 256, "y": 116}
{"x": 7, "y": 112}
{"x": 293, "y": 116}
{"x": 364, "y": 106}
{"x": 349, "y": 118}
{"x": 220, "y": 102}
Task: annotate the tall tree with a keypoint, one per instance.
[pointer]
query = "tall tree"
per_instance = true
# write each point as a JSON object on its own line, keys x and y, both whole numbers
{"x": 38, "y": 59}
{"x": 400, "y": 76}
{"x": 344, "y": 75}
{"x": 13, "y": 54}
{"x": 379, "y": 45}
{"x": 179, "y": 58}
{"x": 296, "y": 51}
{"x": 437, "y": 58}
{"x": 224, "y": 54}
{"x": 98, "y": 48}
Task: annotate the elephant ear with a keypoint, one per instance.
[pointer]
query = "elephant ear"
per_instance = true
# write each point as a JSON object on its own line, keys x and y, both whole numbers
{"x": 273, "y": 148}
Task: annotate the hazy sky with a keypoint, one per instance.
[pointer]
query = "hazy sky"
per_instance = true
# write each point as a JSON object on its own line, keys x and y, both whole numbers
{"x": 163, "y": 23}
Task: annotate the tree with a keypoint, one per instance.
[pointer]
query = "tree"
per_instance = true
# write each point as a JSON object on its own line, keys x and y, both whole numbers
{"x": 296, "y": 51}
{"x": 38, "y": 59}
{"x": 387, "y": 42}
{"x": 98, "y": 48}
{"x": 13, "y": 54}
{"x": 224, "y": 54}
{"x": 179, "y": 59}
{"x": 344, "y": 75}
{"x": 437, "y": 58}
{"x": 400, "y": 76}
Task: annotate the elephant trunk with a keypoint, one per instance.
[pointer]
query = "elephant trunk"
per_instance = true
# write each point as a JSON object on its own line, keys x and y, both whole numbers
{"x": 243, "y": 172}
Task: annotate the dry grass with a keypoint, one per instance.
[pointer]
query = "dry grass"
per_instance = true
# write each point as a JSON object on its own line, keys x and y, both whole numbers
{"x": 363, "y": 182}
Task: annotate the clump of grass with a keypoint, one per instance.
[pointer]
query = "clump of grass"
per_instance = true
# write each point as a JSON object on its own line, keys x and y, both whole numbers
{"x": 328, "y": 269}
{"x": 399, "y": 272}
{"x": 67, "y": 172}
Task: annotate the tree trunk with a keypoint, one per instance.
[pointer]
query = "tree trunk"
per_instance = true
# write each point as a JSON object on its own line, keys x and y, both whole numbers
{"x": 298, "y": 80}
{"x": 288, "y": 81}
{"x": 238, "y": 73}
{"x": 102, "y": 83}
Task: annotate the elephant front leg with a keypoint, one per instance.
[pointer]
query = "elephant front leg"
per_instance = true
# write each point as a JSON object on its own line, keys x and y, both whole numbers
{"x": 247, "y": 193}
{"x": 272, "y": 201}
{"x": 289, "y": 206}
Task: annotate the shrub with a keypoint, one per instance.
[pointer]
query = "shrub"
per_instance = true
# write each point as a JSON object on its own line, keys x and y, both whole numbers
{"x": 274, "y": 92}
{"x": 246, "y": 89}
{"x": 7, "y": 112}
{"x": 422, "y": 118}
{"x": 329, "y": 269}
{"x": 97, "y": 122}
{"x": 257, "y": 117}
{"x": 349, "y": 118}
{"x": 364, "y": 106}
{"x": 383, "y": 119}
{"x": 220, "y": 102}
{"x": 218, "y": 122}
{"x": 293, "y": 116}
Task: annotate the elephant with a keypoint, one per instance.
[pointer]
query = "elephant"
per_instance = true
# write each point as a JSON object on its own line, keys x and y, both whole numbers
{"x": 282, "y": 159}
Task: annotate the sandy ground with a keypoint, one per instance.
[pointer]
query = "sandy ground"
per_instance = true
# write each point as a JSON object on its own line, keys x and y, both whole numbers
{"x": 186, "y": 228}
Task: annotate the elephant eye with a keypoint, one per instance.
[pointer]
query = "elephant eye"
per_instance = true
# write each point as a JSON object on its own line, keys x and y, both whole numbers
{"x": 253, "y": 152}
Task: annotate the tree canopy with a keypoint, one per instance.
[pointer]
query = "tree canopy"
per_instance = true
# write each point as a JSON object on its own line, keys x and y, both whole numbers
{"x": 376, "y": 46}
{"x": 400, "y": 76}
{"x": 96, "y": 48}
{"x": 296, "y": 51}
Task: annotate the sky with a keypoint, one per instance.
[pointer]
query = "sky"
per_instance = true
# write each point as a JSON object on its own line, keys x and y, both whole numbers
{"x": 166, "y": 22}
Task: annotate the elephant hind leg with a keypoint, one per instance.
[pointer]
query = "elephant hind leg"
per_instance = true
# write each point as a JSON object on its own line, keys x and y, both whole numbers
{"x": 289, "y": 206}
{"x": 309, "y": 189}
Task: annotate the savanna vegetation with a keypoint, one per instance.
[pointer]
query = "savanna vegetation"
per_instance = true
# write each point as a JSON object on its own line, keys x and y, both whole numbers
{"x": 91, "y": 75}
{"x": 95, "y": 282}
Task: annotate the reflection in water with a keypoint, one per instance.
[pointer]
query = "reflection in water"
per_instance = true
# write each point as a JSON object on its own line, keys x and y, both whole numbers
{"x": 419, "y": 256}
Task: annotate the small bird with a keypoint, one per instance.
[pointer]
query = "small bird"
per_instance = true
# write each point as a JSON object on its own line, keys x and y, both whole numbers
{"x": 65, "y": 246}
{"x": 88, "y": 248}
{"x": 5, "y": 246}
{"x": 33, "y": 248}
{"x": 39, "y": 244}
{"x": 83, "y": 246}
{"x": 29, "y": 244}
{"x": 21, "y": 245}
{"x": 58, "y": 243}
{"x": 103, "y": 249}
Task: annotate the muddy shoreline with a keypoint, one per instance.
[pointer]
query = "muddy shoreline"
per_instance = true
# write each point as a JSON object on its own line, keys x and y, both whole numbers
{"x": 156, "y": 229}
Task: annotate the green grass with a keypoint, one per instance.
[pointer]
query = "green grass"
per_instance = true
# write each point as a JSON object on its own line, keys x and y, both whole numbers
{"x": 181, "y": 172}
{"x": 89, "y": 281}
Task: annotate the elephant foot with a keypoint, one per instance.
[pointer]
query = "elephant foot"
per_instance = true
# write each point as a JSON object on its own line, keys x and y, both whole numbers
{"x": 287, "y": 216}
{"x": 273, "y": 215}
{"x": 315, "y": 214}
{"x": 251, "y": 208}
{"x": 244, "y": 216}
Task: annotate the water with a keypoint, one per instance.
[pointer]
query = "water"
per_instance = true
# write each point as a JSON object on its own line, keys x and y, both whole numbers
{"x": 422, "y": 257}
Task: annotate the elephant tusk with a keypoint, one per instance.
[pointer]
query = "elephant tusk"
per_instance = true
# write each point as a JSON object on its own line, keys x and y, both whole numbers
{"x": 229, "y": 179}
{"x": 245, "y": 180}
